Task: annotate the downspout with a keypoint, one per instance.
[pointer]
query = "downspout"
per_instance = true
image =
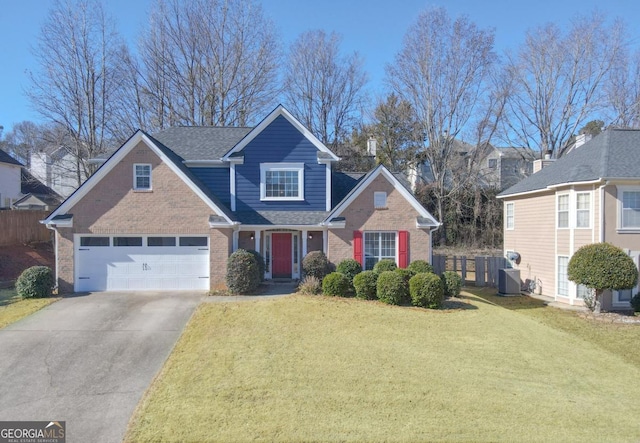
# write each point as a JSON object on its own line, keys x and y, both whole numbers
{"x": 431, "y": 231}
{"x": 602, "y": 186}
{"x": 55, "y": 245}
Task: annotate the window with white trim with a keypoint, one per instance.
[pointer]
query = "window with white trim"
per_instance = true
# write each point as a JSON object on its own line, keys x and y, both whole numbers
{"x": 582, "y": 291}
{"x": 630, "y": 209}
{"x": 563, "y": 211}
{"x": 509, "y": 218}
{"x": 379, "y": 200}
{"x": 378, "y": 246}
{"x": 142, "y": 177}
{"x": 281, "y": 181}
{"x": 583, "y": 210}
{"x": 563, "y": 280}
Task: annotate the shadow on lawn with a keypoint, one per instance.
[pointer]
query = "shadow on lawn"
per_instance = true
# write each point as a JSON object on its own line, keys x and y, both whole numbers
{"x": 489, "y": 296}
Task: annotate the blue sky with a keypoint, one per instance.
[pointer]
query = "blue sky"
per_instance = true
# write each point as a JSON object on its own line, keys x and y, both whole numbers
{"x": 374, "y": 28}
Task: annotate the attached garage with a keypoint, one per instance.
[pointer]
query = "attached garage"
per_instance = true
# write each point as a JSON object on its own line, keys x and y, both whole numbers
{"x": 141, "y": 263}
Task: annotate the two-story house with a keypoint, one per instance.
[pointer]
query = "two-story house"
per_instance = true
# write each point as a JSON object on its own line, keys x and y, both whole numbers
{"x": 10, "y": 170}
{"x": 590, "y": 195}
{"x": 164, "y": 212}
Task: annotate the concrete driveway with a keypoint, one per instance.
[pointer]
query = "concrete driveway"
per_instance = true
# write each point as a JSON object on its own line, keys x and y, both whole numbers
{"x": 88, "y": 359}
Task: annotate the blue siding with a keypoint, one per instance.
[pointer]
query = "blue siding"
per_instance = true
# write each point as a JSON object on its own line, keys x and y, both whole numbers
{"x": 280, "y": 142}
{"x": 217, "y": 180}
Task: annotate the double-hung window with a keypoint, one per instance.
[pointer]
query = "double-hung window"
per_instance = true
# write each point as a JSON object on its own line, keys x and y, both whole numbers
{"x": 563, "y": 211}
{"x": 282, "y": 181}
{"x": 563, "y": 280}
{"x": 142, "y": 177}
{"x": 583, "y": 209}
{"x": 378, "y": 246}
{"x": 630, "y": 209}
{"x": 509, "y": 215}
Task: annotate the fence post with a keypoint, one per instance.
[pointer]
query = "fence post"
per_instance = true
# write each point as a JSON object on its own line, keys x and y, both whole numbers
{"x": 463, "y": 265}
{"x": 480, "y": 271}
{"x": 439, "y": 264}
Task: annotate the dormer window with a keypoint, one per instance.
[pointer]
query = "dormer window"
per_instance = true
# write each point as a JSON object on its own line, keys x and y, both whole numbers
{"x": 142, "y": 177}
{"x": 281, "y": 181}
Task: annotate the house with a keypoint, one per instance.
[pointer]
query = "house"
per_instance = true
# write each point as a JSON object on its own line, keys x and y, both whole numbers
{"x": 58, "y": 169}
{"x": 164, "y": 212}
{"x": 590, "y": 195}
{"x": 9, "y": 180}
{"x": 36, "y": 195}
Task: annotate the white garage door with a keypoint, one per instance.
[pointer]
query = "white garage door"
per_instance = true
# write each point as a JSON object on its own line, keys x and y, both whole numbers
{"x": 130, "y": 263}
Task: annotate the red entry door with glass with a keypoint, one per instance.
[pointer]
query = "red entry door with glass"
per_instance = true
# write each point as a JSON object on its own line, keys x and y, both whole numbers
{"x": 281, "y": 255}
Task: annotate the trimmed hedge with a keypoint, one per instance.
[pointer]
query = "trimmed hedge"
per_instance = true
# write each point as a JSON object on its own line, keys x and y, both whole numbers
{"x": 365, "y": 285}
{"x": 260, "y": 261}
{"x": 420, "y": 266}
{"x": 385, "y": 264}
{"x": 426, "y": 290}
{"x": 349, "y": 267}
{"x": 602, "y": 266}
{"x": 406, "y": 274}
{"x": 337, "y": 285}
{"x": 391, "y": 287}
{"x": 315, "y": 264}
{"x": 451, "y": 283}
{"x": 35, "y": 282}
{"x": 242, "y": 272}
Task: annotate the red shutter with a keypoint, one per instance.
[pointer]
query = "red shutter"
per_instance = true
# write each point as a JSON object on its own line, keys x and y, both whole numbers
{"x": 403, "y": 249}
{"x": 357, "y": 247}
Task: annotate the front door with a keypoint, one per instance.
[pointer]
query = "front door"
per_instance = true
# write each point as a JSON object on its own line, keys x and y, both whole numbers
{"x": 281, "y": 255}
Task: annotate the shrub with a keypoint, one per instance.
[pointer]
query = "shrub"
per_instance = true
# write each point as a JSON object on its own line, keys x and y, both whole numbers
{"x": 310, "y": 286}
{"x": 349, "y": 267}
{"x": 35, "y": 282}
{"x": 602, "y": 266}
{"x": 420, "y": 266}
{"x": 391, "y": 287}
{"x": 315, "y": 264}
{"x": 635, "y": 302}
{"x": 365, "y": 285}
{"x": 242, "y": 272}
{"x": 260, "y": 260}
{"x": 337, "y": 285}
{"x": 406, "y": 275}
{"x": 451, "y": 283}
{"x": 385, "y": 264}
{"x": 426, "y": 290}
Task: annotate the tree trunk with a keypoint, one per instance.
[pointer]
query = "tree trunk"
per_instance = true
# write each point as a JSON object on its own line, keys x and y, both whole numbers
{"x": 597, "y": 302}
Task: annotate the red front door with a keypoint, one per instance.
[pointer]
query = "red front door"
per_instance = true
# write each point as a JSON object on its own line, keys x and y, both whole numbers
{"x": 281, "y": 255}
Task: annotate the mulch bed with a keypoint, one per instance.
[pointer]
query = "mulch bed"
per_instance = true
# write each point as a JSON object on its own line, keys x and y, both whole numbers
{"x": 612, "y": 317}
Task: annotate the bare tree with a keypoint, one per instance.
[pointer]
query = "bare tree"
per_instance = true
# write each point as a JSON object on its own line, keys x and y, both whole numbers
{"x": 444, "y": 70}
{"x": 323, "y": 88}
{"x": 24, "y": 138}
{"x": 623, "y": 92}
{"x": 557, "y": 80}
{"x": 78, "y": 78}
{"x": 206, "y": 62}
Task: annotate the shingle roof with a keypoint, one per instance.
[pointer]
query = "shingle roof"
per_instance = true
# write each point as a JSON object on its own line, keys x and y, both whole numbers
{"x": 281, "y": 217}
{"x": 31, "y": 185}
{"x": 615, "y": 153}
{"x": 201, "y": 142}
{"x": 342, "y": 183}
{"x": 6, "y": 158}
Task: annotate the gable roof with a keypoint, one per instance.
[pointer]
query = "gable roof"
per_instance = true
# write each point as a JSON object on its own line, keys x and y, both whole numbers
{"x": 613, "y": 154}
{"x": 6, "y": 158}
{"x": 280, "y": 111}
{"x": 29, "y": 185}
{"x": 201, "y": 142}
{"x": 168, "y": 157}
{"x": 425, "y": 217}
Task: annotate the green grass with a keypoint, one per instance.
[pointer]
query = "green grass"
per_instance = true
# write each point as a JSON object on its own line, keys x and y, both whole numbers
{"x": 325, "y": 369}
{"x": 13, "y": 308}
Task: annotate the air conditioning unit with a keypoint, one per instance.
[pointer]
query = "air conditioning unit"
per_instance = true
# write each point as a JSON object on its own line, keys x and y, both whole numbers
{"x": 509, "y": 282}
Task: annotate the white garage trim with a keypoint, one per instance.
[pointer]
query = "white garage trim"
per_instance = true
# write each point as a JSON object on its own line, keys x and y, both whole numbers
{"x": 129, "y": 262}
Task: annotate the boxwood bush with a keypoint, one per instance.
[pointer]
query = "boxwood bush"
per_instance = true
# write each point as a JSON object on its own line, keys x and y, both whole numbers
{"x": 337, "y": 284}
{"x": 35, "y": 282}
{"x": 386, "y": 264}
{"x": 426, "y": 290}
{"x": 260, "y": 261}
{"x": 451, "y": 283}
{"x": 315, "y": 264}
{"x": 391, "y": 287}
{"x": 349, "y": 267}
{"x": 419, "y": 266}
{"x": 406, "y": 273}
{"x": 364, "y": 284}
{"x": 243, "y": 273}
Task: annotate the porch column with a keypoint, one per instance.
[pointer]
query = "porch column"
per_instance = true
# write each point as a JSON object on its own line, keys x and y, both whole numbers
{"x": 304, "y": 243}
{"x": 325, "y": 241}
{"x": 257, "y": 236}
{"x": 235, "y": 241}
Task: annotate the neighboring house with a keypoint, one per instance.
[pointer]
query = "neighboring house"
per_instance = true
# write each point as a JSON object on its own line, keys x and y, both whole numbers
{"x": 164, "y": 212}
{"x": 58, "y": 169}
{"x": 36, "y": 195}
{"x": 590, "y": 195}
{"x": 9, "y": 180}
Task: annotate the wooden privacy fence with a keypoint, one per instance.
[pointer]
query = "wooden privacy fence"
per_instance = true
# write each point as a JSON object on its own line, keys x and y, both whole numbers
{"x": 479, "y": 271}
{"x": 19, "y": 227}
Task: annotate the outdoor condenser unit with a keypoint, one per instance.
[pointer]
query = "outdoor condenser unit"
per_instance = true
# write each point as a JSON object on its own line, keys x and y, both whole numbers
{"x": 509, "y": 282}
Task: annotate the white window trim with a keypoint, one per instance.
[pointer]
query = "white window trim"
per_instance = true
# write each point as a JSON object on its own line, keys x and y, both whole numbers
{"x": 396, "y": 241}
{"x": 135, "y": 177}
{"x": 558, "y": 257}
{"x": 513, "y": 216}
{"x": 619, "y": 197}
{"x": 380, "y": 200}
{"x": 590, "y": 209}
{"x": 298, "y": 167}
{"x": 568, "y": 211}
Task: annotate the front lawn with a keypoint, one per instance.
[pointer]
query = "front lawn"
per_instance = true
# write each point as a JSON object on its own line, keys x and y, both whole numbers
{"x": 13, "y": 308}
{"x": 326, "y": 369}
